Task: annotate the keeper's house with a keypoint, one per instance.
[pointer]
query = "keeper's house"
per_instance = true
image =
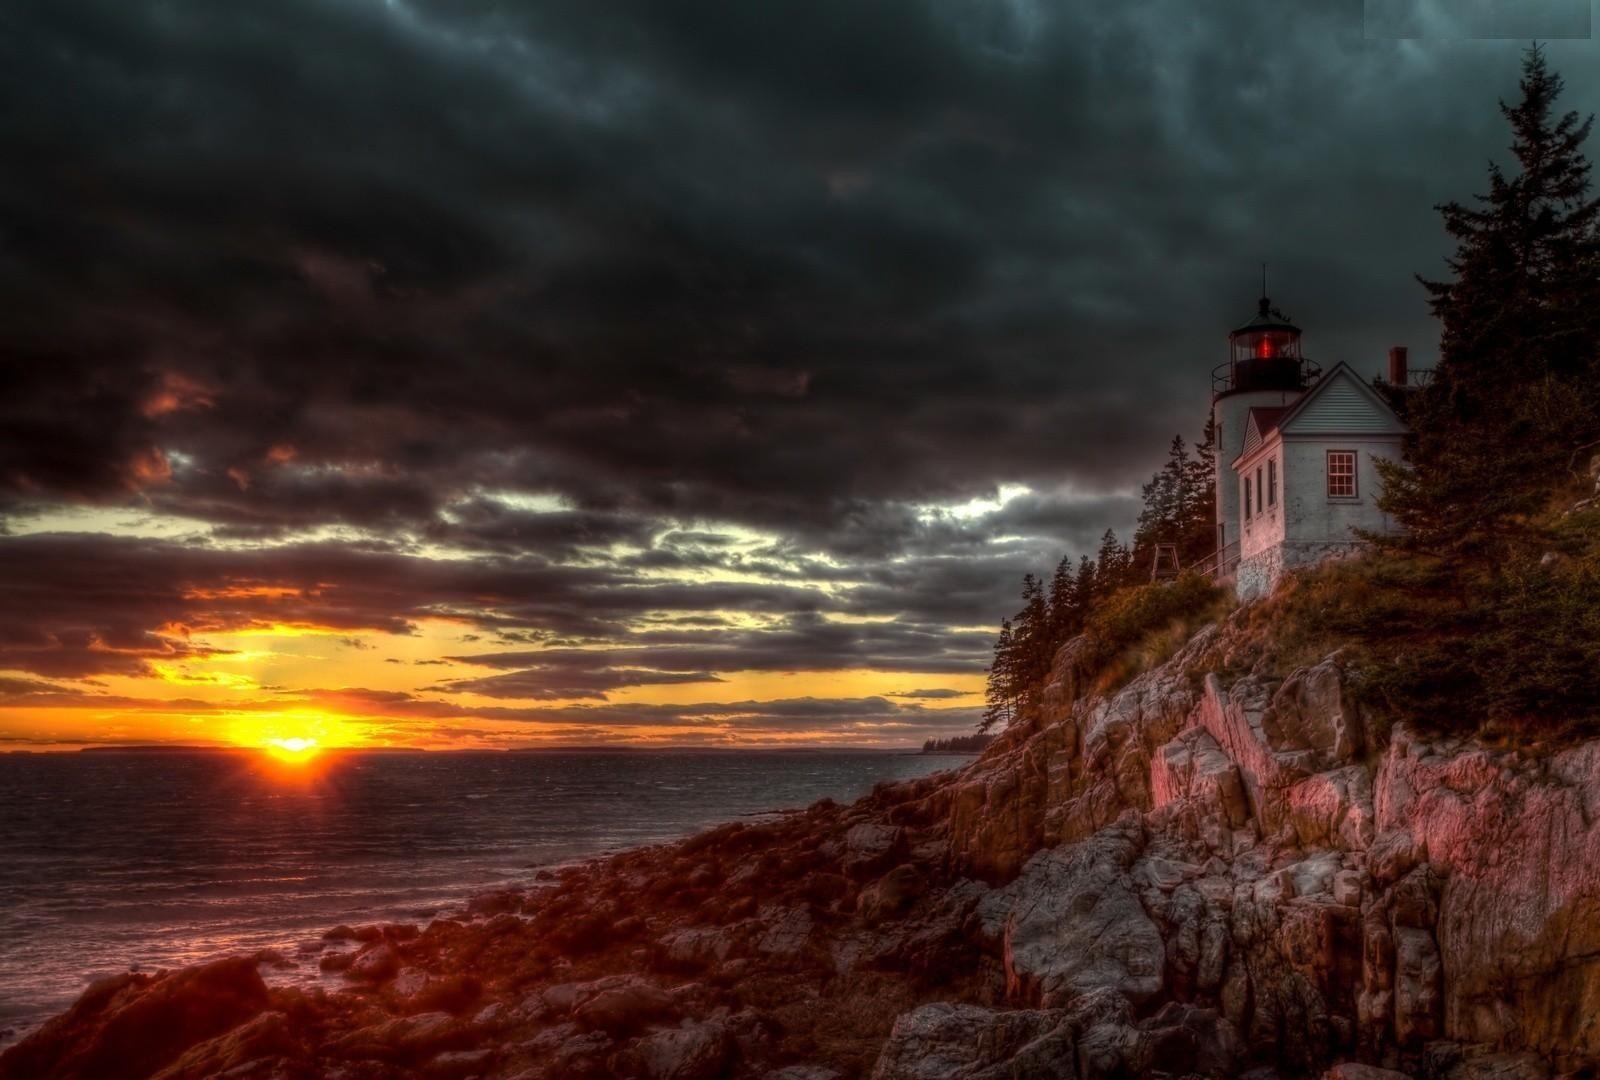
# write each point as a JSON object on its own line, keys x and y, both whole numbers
{"x": 1296, "y": 454}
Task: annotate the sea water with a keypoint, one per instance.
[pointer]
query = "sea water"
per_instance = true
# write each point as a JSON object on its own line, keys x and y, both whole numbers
{"x": 119, "y": 860}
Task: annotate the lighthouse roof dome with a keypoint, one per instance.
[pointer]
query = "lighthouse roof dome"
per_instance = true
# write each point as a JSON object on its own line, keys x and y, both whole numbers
{"x": 1267, "y": 318}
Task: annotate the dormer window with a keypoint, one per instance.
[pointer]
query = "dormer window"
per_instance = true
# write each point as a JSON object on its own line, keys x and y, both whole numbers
{"x": 1341, "y": 474}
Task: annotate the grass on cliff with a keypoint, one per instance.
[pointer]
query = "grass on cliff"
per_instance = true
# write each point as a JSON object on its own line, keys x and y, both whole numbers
{"x": 1510, "y": 651}
{"x": 1142, "y": 626}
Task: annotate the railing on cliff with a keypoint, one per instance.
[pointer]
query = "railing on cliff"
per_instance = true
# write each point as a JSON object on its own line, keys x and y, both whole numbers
{"x": 1219, "y": 564}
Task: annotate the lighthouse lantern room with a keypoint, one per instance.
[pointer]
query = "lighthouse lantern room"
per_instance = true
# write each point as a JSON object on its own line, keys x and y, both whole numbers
{"x": 1265, "y": 369}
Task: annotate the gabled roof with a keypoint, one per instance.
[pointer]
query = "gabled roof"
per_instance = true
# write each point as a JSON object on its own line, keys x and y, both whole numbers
{"x": 1262, "y": 422}
{"x": 1341, "y": 403}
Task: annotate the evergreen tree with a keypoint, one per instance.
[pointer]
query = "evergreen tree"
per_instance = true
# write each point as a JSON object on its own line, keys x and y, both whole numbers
{"x": 1083, "y": 586}
{"x": 1031, "y": 630}
{"x": 1164, "y": 505}
{"x": 1514, "y": 394}
{"x": 1114, "y": 564}
{"x": 1064, "y": 614}
{"x": 1199, "y": 537}
{"x": 1179, "y": 505}
{"x": 1000, "y": 693}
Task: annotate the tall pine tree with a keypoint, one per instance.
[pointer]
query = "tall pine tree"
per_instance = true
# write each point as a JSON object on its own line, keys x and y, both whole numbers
{"x": 1179, "y": 505}
{"x": 1000, "y": 693}
{"x": 1514, "y": 394}
{"x": 1065, "y": 616}
{"x": 1113, "y": 565}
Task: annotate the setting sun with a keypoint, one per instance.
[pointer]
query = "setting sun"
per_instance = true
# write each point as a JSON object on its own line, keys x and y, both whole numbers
{"x": 294, "y": 750}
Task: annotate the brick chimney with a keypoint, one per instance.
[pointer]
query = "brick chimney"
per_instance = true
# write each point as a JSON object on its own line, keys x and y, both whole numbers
{"x": 1397, "y": 365}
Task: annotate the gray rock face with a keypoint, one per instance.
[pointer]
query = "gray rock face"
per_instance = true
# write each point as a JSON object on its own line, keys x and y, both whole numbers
{"x": 1192, "y": 769}
{"x": 1239, "y": 720}
{"x": 1072, "y": 923}
{"x": 694, "y": 1051}
{"x": 871, "y": 848}
{"x": 1096, "y": 1037}
{"x": 1334, "y": 809}
{"x": 968, "y": 1042}
{"x": 1350, "y": 1070}
{"x": 1329, "y": 894}
{"x": 786, "y": 933}
{"x": 1312, "y": 711}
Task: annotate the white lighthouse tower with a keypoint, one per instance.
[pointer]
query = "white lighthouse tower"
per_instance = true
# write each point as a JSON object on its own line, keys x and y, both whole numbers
{"x": 1265, "y": 369}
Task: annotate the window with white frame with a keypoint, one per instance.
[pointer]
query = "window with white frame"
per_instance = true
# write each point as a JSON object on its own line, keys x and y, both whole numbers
{"x": 1261, "y": 492}
{"x": 1272, "y": 482}
{"x": 1247, "y": 499}
{"x": 1341, "y": 474}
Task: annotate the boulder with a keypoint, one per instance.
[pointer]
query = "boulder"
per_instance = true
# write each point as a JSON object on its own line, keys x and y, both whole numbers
{"x": 946, "y": 1041}
{"x": 891, "y": 894}
{"x": 625, "y": 1007}
{"x": 268, "y": 1036}
{"x": 1184, "y": 1040}
{"x": 404, "y": 1038}
{"x": 1392, "y": 855}
{"x": 1350, "y": 1070}
{"x": 375, "y": 964}
{"x": 134, "y": 1025}
{"x": 1312, "y": 712}
{"x": 459, "y": 1064}
{"x": 871, "y": 848}
{"x": 1193, "y": 767}
{"x": 694, "y": 1051}
{"x": 786, "y": 933}
{"x": 697, "y": 947}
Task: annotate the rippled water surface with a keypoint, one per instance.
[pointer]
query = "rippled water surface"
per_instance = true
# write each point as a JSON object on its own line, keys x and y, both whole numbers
{"x": 115, "y": 860}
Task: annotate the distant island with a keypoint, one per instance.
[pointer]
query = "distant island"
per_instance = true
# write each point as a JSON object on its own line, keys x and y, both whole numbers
{"x": 958, "y": 744}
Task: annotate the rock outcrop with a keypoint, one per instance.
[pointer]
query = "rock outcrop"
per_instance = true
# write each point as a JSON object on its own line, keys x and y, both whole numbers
{"x": 1213, "y": 870}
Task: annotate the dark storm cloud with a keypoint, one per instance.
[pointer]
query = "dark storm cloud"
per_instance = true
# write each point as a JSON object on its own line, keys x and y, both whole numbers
{"x": 84, "y": 605}
{"x": 745, "y": 263}
{"x": 573, "y": 678}
{"x": 806, "y": 642}
{"x": 91, "y": 604}
{"x": 805, "y": 268}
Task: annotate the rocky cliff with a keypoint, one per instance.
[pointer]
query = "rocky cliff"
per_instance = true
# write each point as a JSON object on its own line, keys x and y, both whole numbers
{"x": 1194, "y": 875}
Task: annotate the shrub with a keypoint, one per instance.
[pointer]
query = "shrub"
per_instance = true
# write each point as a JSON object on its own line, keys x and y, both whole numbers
{"x": 1138, "y": 627}
{"x": 1510, "y": 650}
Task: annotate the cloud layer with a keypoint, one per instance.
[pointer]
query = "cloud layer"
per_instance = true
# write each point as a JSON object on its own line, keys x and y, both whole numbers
{"x": 643, "y": 344}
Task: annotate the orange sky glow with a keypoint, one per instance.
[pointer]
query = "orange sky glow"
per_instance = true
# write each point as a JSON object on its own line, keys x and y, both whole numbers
{"x": 247, "y": 667}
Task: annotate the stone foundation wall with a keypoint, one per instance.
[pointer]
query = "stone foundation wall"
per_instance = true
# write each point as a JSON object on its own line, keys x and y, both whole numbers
{"x": 1259, "y": 574}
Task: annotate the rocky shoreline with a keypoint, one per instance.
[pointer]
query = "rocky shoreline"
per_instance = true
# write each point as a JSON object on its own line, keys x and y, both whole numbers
{"x": 1194, "y": 875}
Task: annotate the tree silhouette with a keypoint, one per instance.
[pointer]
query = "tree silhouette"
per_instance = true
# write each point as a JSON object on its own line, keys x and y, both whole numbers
{"x": 1515, "y": 392}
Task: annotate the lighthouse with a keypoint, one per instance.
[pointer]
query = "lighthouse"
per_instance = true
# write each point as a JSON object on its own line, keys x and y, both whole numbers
{"x": 1297, "y": 454}
{"x": 1265, "y": 369}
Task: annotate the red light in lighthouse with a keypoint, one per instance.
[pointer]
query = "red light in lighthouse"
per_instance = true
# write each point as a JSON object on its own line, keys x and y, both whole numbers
{"x": 1264, "y": 347}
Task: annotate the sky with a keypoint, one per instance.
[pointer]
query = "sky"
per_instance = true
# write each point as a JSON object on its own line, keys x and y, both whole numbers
{"x": 482, "y": 374}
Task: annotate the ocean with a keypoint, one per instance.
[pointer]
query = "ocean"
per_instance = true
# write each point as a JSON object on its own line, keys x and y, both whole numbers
{"x": 119, "y": 860}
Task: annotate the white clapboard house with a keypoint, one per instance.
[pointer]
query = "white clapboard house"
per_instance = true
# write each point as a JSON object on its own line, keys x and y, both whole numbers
{"x": 1296, "y": 454}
